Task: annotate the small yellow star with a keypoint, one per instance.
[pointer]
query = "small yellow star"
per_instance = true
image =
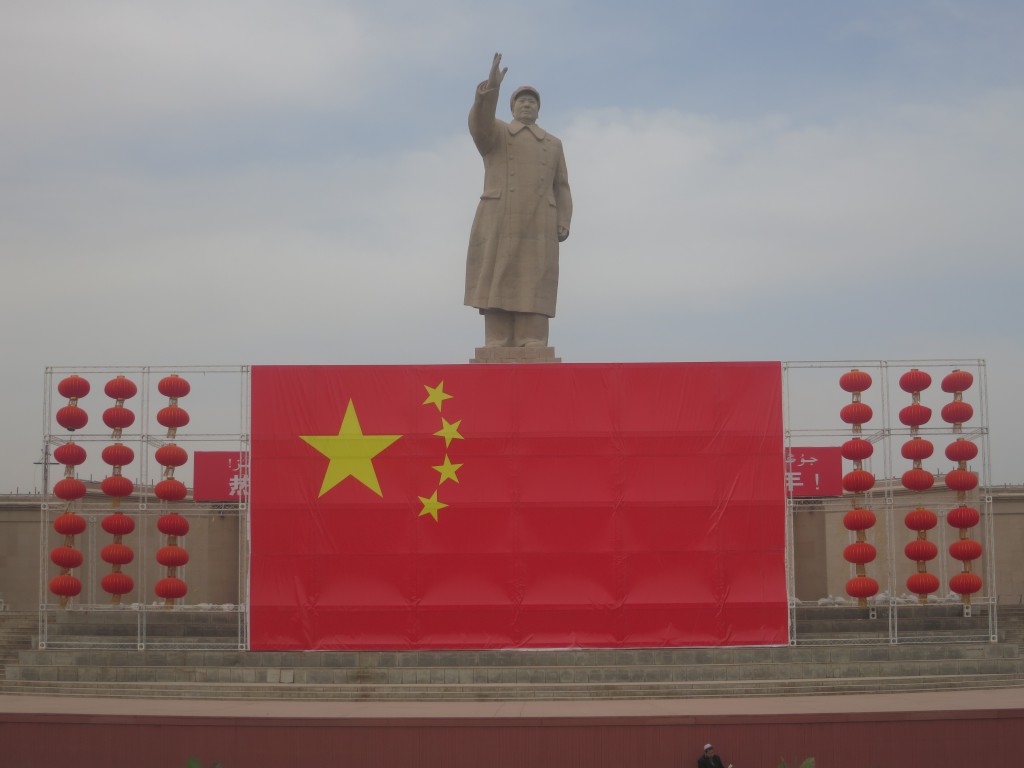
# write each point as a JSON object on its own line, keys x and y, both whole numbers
{"x": 431, "y": 506}
{"x": 436, "y": 395}
{"x": 449, "y": 431}
{"x": 350, "y": 452}
{"x": 448, "y": 470}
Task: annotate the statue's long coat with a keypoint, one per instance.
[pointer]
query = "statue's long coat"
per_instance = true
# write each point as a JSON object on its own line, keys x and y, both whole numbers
{"x": 512, "y": 262}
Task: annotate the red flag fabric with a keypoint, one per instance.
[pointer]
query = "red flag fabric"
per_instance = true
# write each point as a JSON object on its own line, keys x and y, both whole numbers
{"x": 517, "y": 506}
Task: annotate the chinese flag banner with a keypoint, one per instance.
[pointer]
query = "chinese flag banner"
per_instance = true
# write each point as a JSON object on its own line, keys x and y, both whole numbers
{"x": 517, "y": 506}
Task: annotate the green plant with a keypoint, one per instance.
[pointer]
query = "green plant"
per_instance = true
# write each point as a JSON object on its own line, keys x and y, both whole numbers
{"x": 808, "y": 763}
{"x": 193, "y": 762}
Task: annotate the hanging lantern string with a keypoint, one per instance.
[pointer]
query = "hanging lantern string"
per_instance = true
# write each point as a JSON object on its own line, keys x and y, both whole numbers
{"x": 858, "y": 482}
{"x": 116, "y": 486}
{"x": 169, "y": 490}
{"x": 69, "y": 489}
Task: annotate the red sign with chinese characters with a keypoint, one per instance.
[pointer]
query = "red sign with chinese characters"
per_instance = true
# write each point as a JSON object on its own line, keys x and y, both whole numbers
{"x": 219, "y": 476}
{"x": 814, "y": 471}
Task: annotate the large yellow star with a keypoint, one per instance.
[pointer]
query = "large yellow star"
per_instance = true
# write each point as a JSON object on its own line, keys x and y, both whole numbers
{"x": 436, "y": 395}
{"x": 448, "y": 470}
{"x": 431, "y": 506}
{"x": 449, "y": 431}
{"x": 351, "y": 452}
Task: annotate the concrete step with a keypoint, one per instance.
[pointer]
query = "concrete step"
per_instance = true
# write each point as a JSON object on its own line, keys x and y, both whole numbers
{"x": 533, "y": 668}
{"x": 491, "y": 691}
{"x": 15, "y": 635}
{"x": 701, "y": 657}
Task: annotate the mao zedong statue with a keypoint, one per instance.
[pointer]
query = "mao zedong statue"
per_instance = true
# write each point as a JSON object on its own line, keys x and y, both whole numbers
{"x": 524, "y": 213}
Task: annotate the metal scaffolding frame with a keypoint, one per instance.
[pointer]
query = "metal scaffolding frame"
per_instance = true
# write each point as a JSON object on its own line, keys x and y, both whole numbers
{"x": 888, "y": 499}
{"x": 146, "y": 509}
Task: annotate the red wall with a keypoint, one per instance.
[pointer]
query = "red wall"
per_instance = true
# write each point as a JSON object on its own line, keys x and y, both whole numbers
{"x": 932, "y": 740}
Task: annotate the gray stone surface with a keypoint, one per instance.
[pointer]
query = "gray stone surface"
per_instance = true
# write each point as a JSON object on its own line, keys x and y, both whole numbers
{"x": 515, "y": 355}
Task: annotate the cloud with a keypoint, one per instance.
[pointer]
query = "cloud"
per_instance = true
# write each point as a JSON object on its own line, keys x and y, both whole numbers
{"x": 673, "y": 207}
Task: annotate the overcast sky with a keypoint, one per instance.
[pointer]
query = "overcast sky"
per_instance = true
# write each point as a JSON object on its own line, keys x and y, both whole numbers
{"x": 200, "y": 183}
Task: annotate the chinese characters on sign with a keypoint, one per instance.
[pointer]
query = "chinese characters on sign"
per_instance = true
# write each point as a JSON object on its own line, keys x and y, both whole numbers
{"x": 814, "y": 471}
{"x": 221, "y": 476}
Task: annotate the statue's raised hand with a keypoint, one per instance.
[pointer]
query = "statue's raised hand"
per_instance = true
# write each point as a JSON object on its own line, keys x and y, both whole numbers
{"x": 497, "y": 74}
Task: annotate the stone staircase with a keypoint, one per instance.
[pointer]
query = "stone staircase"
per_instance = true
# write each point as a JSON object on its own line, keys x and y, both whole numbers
{"x": 196, "y": 654}
{"x": 16, "y": 632}
{"x": 1011, "y": 625}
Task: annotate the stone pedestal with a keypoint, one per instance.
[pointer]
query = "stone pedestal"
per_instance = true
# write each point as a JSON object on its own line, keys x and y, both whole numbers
{"x": 515, "y": 355}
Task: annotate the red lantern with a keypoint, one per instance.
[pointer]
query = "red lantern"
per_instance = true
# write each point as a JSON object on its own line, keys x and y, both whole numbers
{"x": 170, "y": 490}
{"x": 117, "y": 554}
{"x": 172, "y": 417}
{"x": 921, "y": 550}
{"x": 915, "y": 415}
{"x": 172, "y": 556}
{"x": 915, "y": 380}
{"x": 70, "y": 454}
{"x": 73, "y": 387}
{"x": 174, "y": 386}
{"x": 170, "y": 588}
{"x": 860, "y": 552}
{"x": 918, "y": 479}
{"x": 961, "y": 450}
{"x": 65, "y": 585}
{"x": 118, "y": 455}
{"x": 917, "y": 449}
{"x": 855, "y": 381}
{"x": 172, "y": 525}
{"x": 66, "y": 557}
{"x": 858, "y": 481}
{"x": 957, "y": 381}
{"x": 920, "y": 519}
{"x": 118, "y": 417}
{"x": 857, "y": 449}
{"x": 71, "y": 417}
{"x": 171, "y": 455}
{"x": 923, "y": 583}
{"x": 957, "y": 412}
{"x": 965, "y": 550}
{"x": 117, "y": 485}
{"x": 118, "y": 524}
{"x": 861, "y": 587}
{"x": 859, "y": 519}
{"x": 856, "y": 413}
{"x": 965, "y": 583}
{"x": 69, "y": 524}
{"x": 117, "y": 583}
{"x": 961, "y": 480}
{"x": 963, "y": 517}
{"x": 120, "y": 388}
{"x": 69, "y": 489}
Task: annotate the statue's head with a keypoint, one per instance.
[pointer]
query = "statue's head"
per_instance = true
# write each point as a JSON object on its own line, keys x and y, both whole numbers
{"x": 525, "y": 103}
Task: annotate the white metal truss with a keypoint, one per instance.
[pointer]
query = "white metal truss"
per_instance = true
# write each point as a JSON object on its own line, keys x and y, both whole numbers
{"x": 890, "y": 502}
{"x": 232, "y": 414}
{"x": 889, "y": 609}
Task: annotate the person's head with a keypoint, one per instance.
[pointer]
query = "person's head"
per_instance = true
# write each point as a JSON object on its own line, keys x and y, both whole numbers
{"x": 525, "y": 104}
{"x": 709, "y": 750}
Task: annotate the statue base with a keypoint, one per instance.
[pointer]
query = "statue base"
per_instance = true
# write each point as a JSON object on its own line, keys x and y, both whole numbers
{"x": 515, "y": 355}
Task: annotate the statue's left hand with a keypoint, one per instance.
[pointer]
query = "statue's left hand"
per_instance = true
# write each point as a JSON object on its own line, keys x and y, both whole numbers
{"x": 563, "y": 234}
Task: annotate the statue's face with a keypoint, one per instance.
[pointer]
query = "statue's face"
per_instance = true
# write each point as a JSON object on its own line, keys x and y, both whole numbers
{"x": 525, "y": 108}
